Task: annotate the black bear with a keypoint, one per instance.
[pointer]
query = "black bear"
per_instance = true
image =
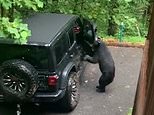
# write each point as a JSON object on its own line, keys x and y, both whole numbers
{"x": 102, "y": 56}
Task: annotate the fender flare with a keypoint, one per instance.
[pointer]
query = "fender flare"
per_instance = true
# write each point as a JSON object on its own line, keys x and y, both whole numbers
{"x": 65, "y": 74}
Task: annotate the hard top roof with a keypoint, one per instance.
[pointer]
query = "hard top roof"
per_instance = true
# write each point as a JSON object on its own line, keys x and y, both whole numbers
{"x": 45, "y": 26}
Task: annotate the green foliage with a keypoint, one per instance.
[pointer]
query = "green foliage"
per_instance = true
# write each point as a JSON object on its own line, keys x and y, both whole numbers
{"x": 15, "y": 30}
{"x": 130, "y": 111}
{"x": 133, "y": 13}
{"x": 128, "y": 39}
{"x": 11, "y": 25}
{"x": 134, "y": 39}
{"x": 7, "y": 4}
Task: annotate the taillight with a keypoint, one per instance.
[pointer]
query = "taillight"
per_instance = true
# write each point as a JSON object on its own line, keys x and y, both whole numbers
{"x": 52, "y": 80}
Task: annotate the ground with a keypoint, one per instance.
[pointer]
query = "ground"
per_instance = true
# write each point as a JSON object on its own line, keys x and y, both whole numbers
{"x": 119, "y": 96}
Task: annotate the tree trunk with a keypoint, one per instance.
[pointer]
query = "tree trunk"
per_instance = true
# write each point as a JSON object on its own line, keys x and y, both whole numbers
{"x": 111, "y": 27}
{"x": 2, "y": 11}
{"x": 11, "y": 13}
{"x": 111, "y": 30}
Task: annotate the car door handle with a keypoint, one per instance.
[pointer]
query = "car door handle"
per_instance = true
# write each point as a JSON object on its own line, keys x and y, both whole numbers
{"x": 71, "y": 55}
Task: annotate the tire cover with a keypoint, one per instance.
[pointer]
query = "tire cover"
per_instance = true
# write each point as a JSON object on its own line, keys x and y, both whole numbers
{"x": 18, "y": 80}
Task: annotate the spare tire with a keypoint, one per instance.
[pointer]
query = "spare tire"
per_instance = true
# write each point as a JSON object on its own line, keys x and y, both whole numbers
{"x": 18, "y": 80}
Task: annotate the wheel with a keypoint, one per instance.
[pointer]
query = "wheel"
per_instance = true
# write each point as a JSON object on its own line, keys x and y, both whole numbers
{"x": 71, "y": 97}
{"x": 18, "y": 80}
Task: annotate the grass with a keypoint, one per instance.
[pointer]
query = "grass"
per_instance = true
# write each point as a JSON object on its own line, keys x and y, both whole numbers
{"x": 128, "y": 39}
{"x": 130, "y": 111}
{"x": 134, "y": 39}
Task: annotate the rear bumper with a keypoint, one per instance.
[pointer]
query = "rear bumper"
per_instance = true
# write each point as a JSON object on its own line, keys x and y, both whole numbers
{"x": 48, "y": 97}
{"x": 43, "y": 96}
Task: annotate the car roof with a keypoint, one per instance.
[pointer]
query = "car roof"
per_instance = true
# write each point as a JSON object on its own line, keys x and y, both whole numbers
{"x": 45, "y": 26}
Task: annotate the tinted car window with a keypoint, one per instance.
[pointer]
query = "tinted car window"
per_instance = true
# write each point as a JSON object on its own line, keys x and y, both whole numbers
{"x": 71, "y": 36}
{"x": 78, "y": 30}
{"x": 61, "y": 47}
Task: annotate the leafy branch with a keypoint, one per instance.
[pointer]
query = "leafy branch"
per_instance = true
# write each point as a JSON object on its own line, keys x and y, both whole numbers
{"x": 15, "y": 30}
{"x": 11, "y": 24}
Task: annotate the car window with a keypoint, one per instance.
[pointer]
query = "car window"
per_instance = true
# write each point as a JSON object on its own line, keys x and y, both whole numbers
{"x": 71, "y": 36}
{"x": 61, "y": 47}
{"x": 78, "y": 30}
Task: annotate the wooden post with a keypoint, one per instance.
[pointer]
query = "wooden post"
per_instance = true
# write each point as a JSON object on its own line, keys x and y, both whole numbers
{"x": 144, "y": 100}
{"x": 141, "y": 87}
{"x": 149, "y": 103}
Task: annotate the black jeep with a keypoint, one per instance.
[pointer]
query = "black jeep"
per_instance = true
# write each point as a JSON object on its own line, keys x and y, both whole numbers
{"x": 47, "y": 68}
